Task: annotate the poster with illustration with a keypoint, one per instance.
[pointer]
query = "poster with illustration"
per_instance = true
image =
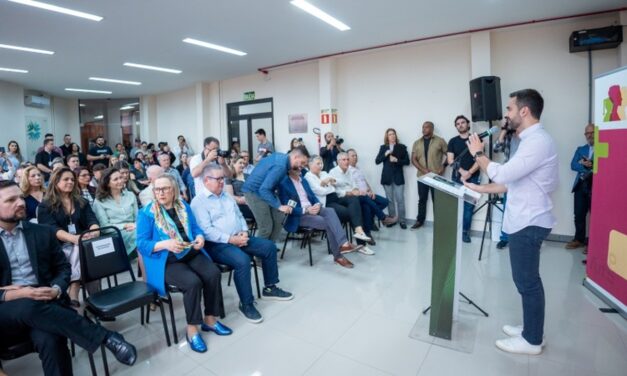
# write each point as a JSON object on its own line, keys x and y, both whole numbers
{"x": 36, "y": 128}
{"x": 606, "y": 270}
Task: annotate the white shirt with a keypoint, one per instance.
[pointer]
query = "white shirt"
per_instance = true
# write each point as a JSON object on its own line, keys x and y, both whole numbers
{"x": 316, "y": 186}
{"x": 199, "y": 186}
{"x": 530, "y": 175}
{"x": 343, "y": 181}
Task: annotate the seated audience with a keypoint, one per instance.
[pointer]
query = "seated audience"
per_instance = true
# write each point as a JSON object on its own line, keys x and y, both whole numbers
{"x": 171, "y": 244}
{"x": 138, "y": 173}
{"x": 346, "y": 186}
{"x": 83, "y": 177}
{"x": 97, "y": 171}
{"x": 308, "y": 212}
{"x": 164, "y": 162}
{"x": 233, "y": 186}
{"x": 69, "y": 214}
{"x": 72, "y": 162}
{"x": 32, "y": 186}
{"x": 76, "y": 150}
{"x": 147, "y": 194}
{"x": 125, "y": 172}
{"x": 347, "y": 207}
{"x": 7, "y": 168}
{"x": 44, "y": 158}
{"x": 34, "y": 275}
{"x": 226, "y": 233}
{"x": 248, "y": 167}
{"x": 14, "y": 153}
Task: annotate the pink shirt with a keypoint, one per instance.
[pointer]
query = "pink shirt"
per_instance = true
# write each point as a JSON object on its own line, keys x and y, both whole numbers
{"x": 302, "y": 195}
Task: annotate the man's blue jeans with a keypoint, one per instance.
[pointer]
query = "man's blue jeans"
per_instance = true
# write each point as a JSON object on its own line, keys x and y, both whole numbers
{"x": 468, "y": 208}
{"x": 524, "y": 255}
{"x": 240, "y": 258}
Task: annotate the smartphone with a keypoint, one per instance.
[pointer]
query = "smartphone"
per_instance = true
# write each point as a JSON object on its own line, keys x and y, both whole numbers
{"x": 2, "y": 150}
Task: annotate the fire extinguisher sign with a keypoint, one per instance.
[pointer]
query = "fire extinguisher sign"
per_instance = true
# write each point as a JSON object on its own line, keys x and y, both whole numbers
{"x": 325, "y": 116}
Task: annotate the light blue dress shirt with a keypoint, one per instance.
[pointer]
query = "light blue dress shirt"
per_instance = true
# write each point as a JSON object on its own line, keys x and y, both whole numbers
{"x": 218, "y": 216}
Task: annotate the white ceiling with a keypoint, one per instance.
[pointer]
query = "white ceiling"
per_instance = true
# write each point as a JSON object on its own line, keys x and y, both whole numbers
{"x": 270, "y": 31}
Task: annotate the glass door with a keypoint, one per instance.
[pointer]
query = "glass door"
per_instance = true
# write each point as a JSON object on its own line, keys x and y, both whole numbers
{"x": 244, "y": 118}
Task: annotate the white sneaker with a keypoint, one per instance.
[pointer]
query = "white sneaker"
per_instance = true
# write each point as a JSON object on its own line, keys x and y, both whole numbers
{"x": 361, "y": 236}
{"x": 513, "y": 330}
{"x": 516, "y": 331}
{"x": 518, "y": 345}
{"x": 366, "y": 251}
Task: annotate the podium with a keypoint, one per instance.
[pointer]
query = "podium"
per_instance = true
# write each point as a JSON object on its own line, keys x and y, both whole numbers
{"x": 448, "y": 210}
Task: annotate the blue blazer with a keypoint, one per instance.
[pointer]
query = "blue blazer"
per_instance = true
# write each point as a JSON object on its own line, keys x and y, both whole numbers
{"x": 287, "y": 191}
{"x": 581, "y": 152}
{"x": 148, "y": 236}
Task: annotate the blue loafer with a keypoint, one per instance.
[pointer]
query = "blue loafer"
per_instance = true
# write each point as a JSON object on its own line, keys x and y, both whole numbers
{"x": 196, "y": 343}
{"x": 219, "y": 329}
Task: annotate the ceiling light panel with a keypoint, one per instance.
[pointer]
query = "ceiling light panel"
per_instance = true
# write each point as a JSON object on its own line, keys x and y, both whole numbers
{"x": 26, "y": 49}
{"x": 112, "y": 80}
{"x": 88, "y": 91}
{"x": 13, "y": 70}
{"x": 214, "y": 46}
{"x": 54, "y": 8}
{"x": 152, "y": 67}
{"x": 320, "y": 14}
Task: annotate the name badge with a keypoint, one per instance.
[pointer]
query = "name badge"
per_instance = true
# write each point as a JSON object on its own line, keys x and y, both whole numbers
{"x": 71, "y": 228}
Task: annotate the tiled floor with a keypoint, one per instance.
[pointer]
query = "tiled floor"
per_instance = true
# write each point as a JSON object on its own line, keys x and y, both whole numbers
{"x": 357, "y": 322}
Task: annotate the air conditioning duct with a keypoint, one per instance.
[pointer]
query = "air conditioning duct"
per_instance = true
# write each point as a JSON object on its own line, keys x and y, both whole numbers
{"x": 36, "y": 101}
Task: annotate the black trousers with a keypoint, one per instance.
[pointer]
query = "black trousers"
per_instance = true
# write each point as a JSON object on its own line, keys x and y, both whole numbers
{"x": 48, "y": 324}
{"x": 423, "y": 197}
{"x": 196, "y": 276}
{"x": 582, "y": 207}
{"x": 349, "y": 207}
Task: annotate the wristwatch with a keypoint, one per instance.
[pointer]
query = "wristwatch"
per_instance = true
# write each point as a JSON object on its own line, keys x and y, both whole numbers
{"x": 478, "y": 154}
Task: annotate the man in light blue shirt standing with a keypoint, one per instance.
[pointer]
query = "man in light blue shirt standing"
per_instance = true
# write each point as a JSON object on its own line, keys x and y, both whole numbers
{"x": 529, "y": 178}
{"x": 227, "y": 242}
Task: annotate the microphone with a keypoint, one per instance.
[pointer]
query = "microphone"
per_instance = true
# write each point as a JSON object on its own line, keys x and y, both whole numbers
{"x": 291, "y": 204}
{"x": 489, "y": 132}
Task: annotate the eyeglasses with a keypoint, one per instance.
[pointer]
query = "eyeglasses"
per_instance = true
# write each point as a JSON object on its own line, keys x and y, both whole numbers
{"x": 162, "y": 189}
{"x": 221, "y": 178}
{"x": 87, "y": 175}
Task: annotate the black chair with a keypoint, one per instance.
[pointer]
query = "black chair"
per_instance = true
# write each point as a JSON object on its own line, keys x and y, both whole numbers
{"x": 20, "y": 348}
{"x": 105, "y": 256}
{"x": 305, "y": 235}
{"x": 171, "y": 289}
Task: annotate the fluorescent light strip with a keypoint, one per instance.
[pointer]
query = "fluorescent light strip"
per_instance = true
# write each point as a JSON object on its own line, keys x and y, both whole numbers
{"x": 99, "y": 117}
{"x": 13, "y": 70}
{"x": 54, "y": 8}
{"x": 322, "y": 15}
{"x": 115, "y": 81}
{"x": 131, "y": 104}
{"x": 151, "y": 67}
{"x": 26, "y": 49}
{"x": 214, "y": 46}
{"x": 127, "y": 108}
{"x": 88, "y": 91}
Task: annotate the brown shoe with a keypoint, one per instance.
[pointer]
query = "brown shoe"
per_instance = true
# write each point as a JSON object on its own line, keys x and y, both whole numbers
{"x": 416, "y": 225}
{"x": 348, "y": 248}
{"x": 343, "y": 261}
{"x": 389, "y": 221}
{"x": 574, "y": 244}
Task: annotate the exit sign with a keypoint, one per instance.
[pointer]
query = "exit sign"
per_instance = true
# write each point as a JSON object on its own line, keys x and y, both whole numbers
{"x": 249, "y": 96}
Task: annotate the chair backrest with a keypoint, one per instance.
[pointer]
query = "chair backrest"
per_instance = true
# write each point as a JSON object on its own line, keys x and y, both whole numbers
{"x": 104, "y": 255}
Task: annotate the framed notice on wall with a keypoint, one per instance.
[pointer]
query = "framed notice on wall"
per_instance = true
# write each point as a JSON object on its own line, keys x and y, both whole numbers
{"x": 297, "y": 123}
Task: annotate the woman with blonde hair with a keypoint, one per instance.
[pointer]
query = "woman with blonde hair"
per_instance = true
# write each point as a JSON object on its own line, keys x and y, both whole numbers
{"x": 32, "y": 186}
{"x": 394, "y": 157}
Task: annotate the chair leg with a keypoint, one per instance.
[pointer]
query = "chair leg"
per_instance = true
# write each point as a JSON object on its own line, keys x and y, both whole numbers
{"x": 165, "y": 324}
{"x": 328, "y": 246}
{"x": 104, "y": 360}
{"x": 92, "y": 365}
{"x": 147, "y": 314}
{"x": 309, "y": 245}
{"x": 72, "y": 349}
{"x": 287, "y": 237}
{"x": 230, "y": 278}
{"x": 174, "y": 333}
{"x": 254, "y": 265}
{"x": 141, "y": 315}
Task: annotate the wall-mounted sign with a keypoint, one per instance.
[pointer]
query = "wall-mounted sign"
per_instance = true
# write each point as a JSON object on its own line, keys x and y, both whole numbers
{"x": 297, "y": 123}
{"x": 249, "y": 96}
{"x": 333, "y": 116}
{"x": 325, "y": 116}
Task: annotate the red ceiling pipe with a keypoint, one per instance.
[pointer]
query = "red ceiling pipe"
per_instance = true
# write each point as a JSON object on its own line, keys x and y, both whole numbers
{"x": 265, "y": 70}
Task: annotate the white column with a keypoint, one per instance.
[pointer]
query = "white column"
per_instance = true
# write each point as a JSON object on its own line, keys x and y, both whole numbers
{"x": 148, "y": 118}
{"x": 327, "y": 79}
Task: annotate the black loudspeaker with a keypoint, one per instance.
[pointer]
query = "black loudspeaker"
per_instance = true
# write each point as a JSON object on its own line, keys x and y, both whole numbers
{"x": 485, "y": 98}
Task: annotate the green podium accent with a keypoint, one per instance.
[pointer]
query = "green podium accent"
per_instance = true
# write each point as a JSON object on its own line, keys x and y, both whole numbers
{"x": 445, "y": 212}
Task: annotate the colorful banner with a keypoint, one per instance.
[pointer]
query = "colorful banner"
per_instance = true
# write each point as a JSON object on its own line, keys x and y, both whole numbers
{"x": 607, "y": 246}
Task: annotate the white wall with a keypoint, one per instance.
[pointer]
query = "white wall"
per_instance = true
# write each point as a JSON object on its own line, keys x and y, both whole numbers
{"x": 175, "y": 115}
{"x": 62, "y": 118}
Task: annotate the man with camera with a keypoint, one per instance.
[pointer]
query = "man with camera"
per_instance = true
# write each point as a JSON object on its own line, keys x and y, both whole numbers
{"x": 582, "y": 187}
{"x": 211, "y": 154}
{"x": 329, "y": 152}
{"x": 529, "y": 177}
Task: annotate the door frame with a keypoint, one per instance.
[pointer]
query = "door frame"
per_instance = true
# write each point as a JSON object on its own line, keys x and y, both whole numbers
{"x": 249, "y": 118}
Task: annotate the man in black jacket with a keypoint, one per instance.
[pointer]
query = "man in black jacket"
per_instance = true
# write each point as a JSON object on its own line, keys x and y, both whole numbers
{"x": 34, "y": 276}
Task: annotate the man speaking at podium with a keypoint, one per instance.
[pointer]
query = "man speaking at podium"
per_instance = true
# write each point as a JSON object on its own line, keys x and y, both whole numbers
{"x": 529, "y": 177}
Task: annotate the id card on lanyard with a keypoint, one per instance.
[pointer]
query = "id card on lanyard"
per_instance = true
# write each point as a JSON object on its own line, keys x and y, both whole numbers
{"x": 71, "y": 228}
